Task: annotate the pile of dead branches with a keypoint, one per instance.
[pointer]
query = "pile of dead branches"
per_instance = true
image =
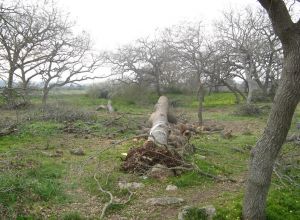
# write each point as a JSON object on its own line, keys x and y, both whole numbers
{"x": 139, "y": 160}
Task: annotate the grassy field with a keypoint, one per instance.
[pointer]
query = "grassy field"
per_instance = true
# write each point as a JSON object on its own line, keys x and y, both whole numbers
{"x": 41, "y": 179}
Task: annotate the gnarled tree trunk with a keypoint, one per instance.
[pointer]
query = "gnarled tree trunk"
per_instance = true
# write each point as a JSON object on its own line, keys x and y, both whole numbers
{"x": 287, "y": 97}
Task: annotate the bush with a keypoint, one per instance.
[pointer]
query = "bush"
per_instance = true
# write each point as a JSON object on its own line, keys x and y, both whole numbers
{"x": 63, "y": 113}
{"x": 173, "y": 90}
{"x": 100, "y": 91}
{"x": 132, "y": 94}
{"x": 248, "y": 110}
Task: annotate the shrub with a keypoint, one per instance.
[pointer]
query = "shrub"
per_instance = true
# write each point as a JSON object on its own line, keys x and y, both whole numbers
{"x": 132, "y": 94}
{"x": 173, "y": 90}
{"x": 248, "y": 110}
{"x": 100, "y": 90}
{"x": 63, "y": 113}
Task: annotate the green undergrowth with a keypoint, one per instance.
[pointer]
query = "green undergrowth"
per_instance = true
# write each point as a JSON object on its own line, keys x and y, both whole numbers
{"x": 282, "y": 203}
{"x": 30, "y": 179}
{"x": 41, "y": 183}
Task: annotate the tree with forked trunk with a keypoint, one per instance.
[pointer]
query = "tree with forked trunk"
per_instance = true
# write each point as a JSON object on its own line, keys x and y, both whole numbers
{"x": 264, "y": 154}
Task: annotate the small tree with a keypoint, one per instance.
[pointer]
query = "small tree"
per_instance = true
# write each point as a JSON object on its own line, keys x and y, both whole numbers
{"x": 144, "y": 61}
{"x": 264, "y": 154}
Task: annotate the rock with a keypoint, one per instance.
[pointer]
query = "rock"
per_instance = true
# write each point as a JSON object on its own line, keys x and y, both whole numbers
{"x": 293, "y": 137}
{"x": 226, "y": 134}
{"x": 171, "y": 188}
{"x": 101, "y": 107}
{"x": 159, "y": 171}
{"x": 189, "y": 212}
{"x": 133, "y": 185}
{"x": 57, "y": 153}
{"x": 200, "y": 157}
{"x": 164, "y": 201}
{"x": 78, "y": 151}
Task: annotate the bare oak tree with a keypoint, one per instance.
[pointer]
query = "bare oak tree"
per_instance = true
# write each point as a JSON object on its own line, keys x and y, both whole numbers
{"x": 264, "y": 154}
{"x": 24, "y": 36}
{"x": 190, "y": 48}
{"x": 252, "y": 48}
{"x": 70, "y": 59}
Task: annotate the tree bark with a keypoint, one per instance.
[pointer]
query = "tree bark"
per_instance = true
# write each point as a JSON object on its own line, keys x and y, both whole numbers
{"x": 157, "y": 84}
{"x": 10, "y": 98}
{"x": 287, "y": 97}
{"x": 201, "y": 94}
{"x": 235, "y": 91}
{"x": 267, "y": 148}
{"x": 109, "y": 107}
{"x": 159, "y": 131}
{"x": 250, "y": 82}
{"x": 45, "y": 97}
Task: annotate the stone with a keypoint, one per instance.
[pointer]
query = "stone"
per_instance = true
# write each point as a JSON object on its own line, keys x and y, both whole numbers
{"x": 189, "y": 212}
{"x": 200, "y": 157}
{"x": 159, "y": 171}
{"x": 132, "y": 185}
{"x": 77, "y": 151}
{"x": 164, "y": 201}
{"x": 171, "y": 188}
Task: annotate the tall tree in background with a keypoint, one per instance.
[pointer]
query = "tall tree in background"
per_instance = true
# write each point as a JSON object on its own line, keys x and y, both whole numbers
{"x": 251, "y": 47}
{"x": 145, "y": 60}
{"x": 190, "y": 46}
{"x": 264, "y": 154}
{"x": 69, "y": 60}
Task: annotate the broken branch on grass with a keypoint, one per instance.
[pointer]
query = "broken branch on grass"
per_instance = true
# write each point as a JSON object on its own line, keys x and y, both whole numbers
{"x": 106, "y": 192}
{"x": 8, "y": 130}
{"x": 110, "y": 202}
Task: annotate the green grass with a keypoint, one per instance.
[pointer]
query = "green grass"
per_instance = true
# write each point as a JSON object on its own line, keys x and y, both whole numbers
{"x": 283, "y": 204}
{"x": 189, "y": 179}
{"x": 36, "y": 180}
{"x": 40, "y": 183}
{"x": 39, "y": 131}
{"x": 73, "y": 216}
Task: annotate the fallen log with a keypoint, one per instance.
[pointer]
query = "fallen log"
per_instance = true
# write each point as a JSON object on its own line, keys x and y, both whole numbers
{"x": 159, "y": 131}
{"x": 161, "y": 147}
{"x": 10, "y": 129}
{"x": 107, "y": 107}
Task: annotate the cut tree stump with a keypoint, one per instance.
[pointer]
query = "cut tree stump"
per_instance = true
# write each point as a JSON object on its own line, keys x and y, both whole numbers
{"x": 109, "y": 107}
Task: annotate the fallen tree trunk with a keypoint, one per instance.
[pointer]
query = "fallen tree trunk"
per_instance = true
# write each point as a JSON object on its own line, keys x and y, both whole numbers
{"x": 159, "y": 120}
{"x": 9, "y": 130}
{"x": 107, "y": 107}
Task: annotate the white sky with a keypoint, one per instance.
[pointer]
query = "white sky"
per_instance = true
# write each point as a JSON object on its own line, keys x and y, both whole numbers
{"x": 115, "y": 22}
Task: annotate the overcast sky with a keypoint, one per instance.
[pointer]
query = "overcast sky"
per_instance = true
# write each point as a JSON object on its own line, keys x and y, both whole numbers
{"x": 115, "y": 22}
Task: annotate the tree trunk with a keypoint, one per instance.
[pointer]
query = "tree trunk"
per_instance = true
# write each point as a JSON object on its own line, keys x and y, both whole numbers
{"x": 25, "y": 92}
{"x": 250, "y": 82}
{"x": 157, "y": 84}
{"x": 267, "y": 148}
{"x": 201, "y": 94}
{"x": 160, "y": 131}
{"x": 109, "y": 107}
{"x": 235, "y": 91}
{"x": 45, "y": 97}
{"x": 10, "y": 98}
